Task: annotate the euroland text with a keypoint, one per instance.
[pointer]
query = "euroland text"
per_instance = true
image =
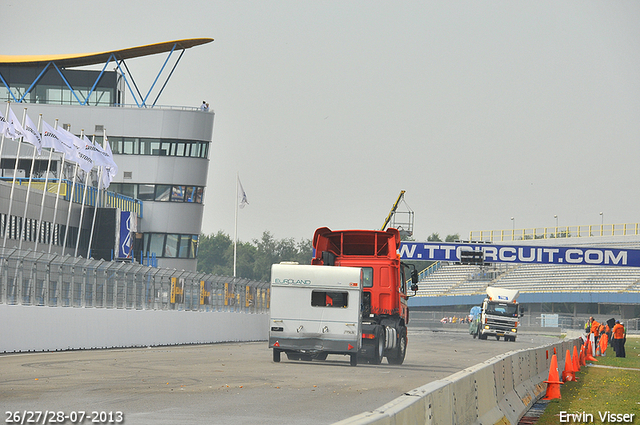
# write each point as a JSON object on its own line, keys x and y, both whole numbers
{"x": 605, "y": 417}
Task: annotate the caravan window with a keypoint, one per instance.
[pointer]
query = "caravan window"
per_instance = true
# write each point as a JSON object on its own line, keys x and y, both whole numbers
{"x": 329, "y": 299}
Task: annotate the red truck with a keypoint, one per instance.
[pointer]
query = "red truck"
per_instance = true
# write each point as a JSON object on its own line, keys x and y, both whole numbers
{"x": 385, "y": 313}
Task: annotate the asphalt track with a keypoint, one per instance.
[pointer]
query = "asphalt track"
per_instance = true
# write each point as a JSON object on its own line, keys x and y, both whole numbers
{"x": 231, "y": 383}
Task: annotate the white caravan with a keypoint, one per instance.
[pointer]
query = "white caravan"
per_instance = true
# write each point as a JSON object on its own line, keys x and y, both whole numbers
{"x": 315, "y": 311}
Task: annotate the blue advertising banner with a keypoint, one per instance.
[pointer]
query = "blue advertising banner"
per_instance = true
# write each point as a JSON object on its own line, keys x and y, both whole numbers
{"x": 127, "y": 226}
{"x": 440, "y": 251}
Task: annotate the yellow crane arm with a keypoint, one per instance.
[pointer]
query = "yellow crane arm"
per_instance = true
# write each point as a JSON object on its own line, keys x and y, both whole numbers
{"x": 393, "y": 210}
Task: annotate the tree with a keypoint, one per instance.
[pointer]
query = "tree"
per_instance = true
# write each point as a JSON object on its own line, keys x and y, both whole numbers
{"x": 253, "y": 259}
{"x": 434, "y": 237}
{"x": 452, "y": 238}
{"x": 213, "y": 254}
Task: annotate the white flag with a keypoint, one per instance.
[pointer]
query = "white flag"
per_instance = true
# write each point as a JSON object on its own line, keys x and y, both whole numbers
{"x": 3, "y": 123}
{"x": 14, "y": 129}
{"x": 57, "y": 141}
{"x": 101, "y": 158}
{"x": 109, "y": 171}
{"x": 82, "y": 156}
{"x": 31, "y": 135}
{"x": 242, "y": 196}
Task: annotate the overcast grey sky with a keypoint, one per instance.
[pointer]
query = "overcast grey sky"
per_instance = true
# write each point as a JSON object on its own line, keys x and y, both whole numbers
{"x": 481, "y": 111}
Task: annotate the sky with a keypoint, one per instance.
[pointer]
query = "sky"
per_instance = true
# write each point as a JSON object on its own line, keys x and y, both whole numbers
{"x": 480, "y": 111}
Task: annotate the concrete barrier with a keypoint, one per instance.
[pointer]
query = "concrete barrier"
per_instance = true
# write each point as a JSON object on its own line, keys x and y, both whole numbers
{"x": 30, "y": 328}
{"x": 500, "y": 390}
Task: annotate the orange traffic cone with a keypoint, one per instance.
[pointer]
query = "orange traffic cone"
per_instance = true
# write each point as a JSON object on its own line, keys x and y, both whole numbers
{"x": 568, "y": 374}
{"x": 576, "y": 360}
{"x": 589, "y": 356}
{"x": 553, "y": 383}
{"x": 583, "y": 362}
{"x": 604, "y": 343}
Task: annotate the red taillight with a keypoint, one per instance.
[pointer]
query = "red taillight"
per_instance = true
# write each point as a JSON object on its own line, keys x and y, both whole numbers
{"x": 368, "y": 336}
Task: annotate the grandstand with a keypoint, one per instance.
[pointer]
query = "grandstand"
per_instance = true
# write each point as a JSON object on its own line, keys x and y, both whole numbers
{"x": 584, "y": 288}
{"x": 454, "y": 280}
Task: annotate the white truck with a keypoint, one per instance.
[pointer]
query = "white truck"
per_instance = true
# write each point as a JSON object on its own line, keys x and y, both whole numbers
{"x": 499, "y": 316}
{"x": 315, "y": 311}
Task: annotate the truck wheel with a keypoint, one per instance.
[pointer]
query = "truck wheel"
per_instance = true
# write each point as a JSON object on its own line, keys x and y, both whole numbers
{"x": 482, "y": 336}
{"x": 397, "y": 356}
{"x": 497, "y": 337}
{"x": 380, "y": 344}
{"x": 353, "y": 359}
{"x": 276, "y": 355}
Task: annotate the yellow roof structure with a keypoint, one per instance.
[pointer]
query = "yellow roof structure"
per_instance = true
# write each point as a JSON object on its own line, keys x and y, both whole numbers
{"x": 84, "y": 59}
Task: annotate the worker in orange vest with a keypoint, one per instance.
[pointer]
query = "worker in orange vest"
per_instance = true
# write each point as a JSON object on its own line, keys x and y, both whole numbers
{"x": 595, "y": 328}
{"x": 619, "y": 339}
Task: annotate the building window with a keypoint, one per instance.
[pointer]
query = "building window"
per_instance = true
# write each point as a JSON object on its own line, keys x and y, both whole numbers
{"x": 146, "y": 192}
{"x": 157, "y": 147}
{"x": 177, "y": 194}
{"x": 163, "y": 192}
{"x": 160, "y": 192}
{"x": 156, "y": 244}
{"x": 183, "y": 247}
{"x": 171, "y": 245}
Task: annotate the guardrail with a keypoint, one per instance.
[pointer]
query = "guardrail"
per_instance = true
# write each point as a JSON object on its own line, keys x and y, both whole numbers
{"x": 500, "y": 390}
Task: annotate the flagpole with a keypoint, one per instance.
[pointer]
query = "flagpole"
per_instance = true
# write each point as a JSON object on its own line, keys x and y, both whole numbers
{"x": 6, "y": 114}
{"x": 95, "y": 209}
{"x": 26, "y": 201}
{"x": 55, "y": 208}
{"x": 1, "y": 148}
{"x": 73, "y": 188}
{"x": 44, "y": 193}
{"x": 235, "y": 233}
{"x": 13, "y": 185}
{"x": 84, "y": 197}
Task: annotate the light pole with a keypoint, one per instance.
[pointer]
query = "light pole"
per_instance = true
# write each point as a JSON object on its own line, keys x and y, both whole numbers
{"x": 513, "y": 232}
{"x": 601, "y": 223}
{"x": 556, "y": 217}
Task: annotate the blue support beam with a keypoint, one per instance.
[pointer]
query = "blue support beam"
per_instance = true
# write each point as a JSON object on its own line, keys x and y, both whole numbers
{"x": 144, "y": 101}
{"x": 139, "y": 99}
{"x": 8, "y": 89}
{"x": 65, "y": 81}
{"x": 168, "y": 77}
{"x": 34, "y": 82}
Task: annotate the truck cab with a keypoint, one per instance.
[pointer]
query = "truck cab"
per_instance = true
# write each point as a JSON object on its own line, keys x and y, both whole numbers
{"x": 500, "y": 314}
{"x": 385, "y": 313}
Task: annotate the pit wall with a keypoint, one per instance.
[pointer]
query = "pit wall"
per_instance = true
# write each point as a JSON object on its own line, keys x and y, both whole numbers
{"x": 498, "y": 391}
{"x": 31, "y": 328}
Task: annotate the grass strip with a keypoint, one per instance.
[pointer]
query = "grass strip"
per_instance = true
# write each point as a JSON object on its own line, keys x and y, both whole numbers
{"x": 600, "y": 390}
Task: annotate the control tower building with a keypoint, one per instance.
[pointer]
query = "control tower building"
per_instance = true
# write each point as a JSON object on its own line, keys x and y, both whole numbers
{"x": 162, "y": 154}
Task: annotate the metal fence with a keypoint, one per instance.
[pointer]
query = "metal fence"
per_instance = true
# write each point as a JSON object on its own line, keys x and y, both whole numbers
{"x": 623, "y": 229}
{"x": 40, "y": 279}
